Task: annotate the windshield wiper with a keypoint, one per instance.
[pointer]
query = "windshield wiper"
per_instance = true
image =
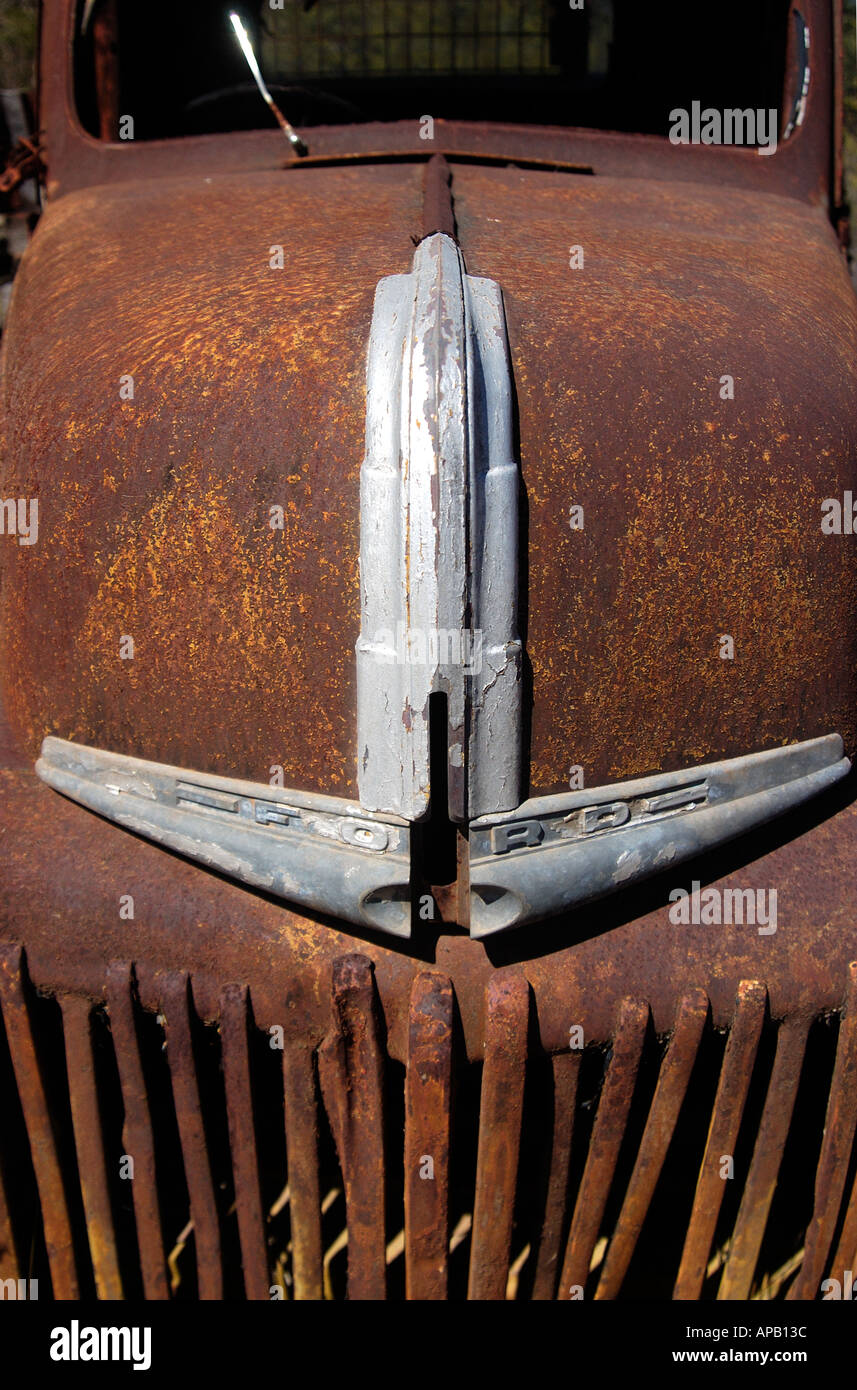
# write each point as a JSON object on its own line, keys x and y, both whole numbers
{"x": 287, "y": 128}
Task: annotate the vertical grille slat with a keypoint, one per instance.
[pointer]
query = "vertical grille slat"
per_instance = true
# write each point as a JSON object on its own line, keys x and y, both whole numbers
{"x": 8, "y": 1257}
{"x": 175, "y": 998}
{"x": 732, "y": 1089}
{"x": 137, "y": 1128}
{"x": 660, "y": 1126}
{"x": 428, "y": 1103}
{"x": 740, "y": 1267}
{"x": 846, "y": 1251}
{"x": 351, "y": 1070}
{"x": 301, "y": 1122}
{"x": 234, "y": 1025}
{"x": 832, "y": 1170}
{"x": 608, "y": 1132}
{"x": 89, "y": 1143}
{"x": 507, "y": 1005}
{"x": 37, "y": 1116}
{"x": 565, "y": 1070}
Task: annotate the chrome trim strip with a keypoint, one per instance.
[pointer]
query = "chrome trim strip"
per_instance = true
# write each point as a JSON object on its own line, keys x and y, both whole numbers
{"x": 321, "y": 853}
{"x": 559, "y": 852}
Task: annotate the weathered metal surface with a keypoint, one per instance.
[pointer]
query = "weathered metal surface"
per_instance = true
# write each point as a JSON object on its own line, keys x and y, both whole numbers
{"x": 90, "y": 1145}
{"x": 695, "y": 508}
{"x": 663, "y": 1116}
{"x": 428, "y": 1105}
{"x": 301, "y": 1120}
{"x": 832, "y": 1171}
{"x": 137, "y": 1129}
{"x": 155, "y": 512}
{"x": 647, "y": 545}
{"x": 176, "y": 1004}
{"x": 609, "y": 1128}
{"x": 37, "y": 1116}
{"x": 350, "y": 1066}
{"x": 758, "y": 1192}
{"x": 729, "y": 1102}
{"x": 507, "y": 1006}
{"x": 234, "y": 1024}
{"x": 438, "y": 212}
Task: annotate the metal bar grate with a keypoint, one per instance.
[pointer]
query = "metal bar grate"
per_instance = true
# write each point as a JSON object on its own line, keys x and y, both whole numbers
{"x": 636, "y": 1129}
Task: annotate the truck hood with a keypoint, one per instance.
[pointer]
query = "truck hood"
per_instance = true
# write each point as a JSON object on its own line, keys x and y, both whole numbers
{"x": 212, "y": 516}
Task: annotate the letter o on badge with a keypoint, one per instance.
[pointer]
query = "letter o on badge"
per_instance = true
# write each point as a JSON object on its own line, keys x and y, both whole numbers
{"x": 607, "y": 817}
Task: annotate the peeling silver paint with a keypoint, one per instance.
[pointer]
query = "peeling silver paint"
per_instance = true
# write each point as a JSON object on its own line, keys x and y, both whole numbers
{"x": 438, "y": 541}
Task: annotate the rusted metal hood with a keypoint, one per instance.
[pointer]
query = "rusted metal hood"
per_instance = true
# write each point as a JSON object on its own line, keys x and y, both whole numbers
{"x": 158, "y": 513}
{"x": 701, "y": 515}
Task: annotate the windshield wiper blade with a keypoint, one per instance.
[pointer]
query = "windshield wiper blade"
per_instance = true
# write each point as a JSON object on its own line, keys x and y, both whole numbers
{"x": 287, "y": 128}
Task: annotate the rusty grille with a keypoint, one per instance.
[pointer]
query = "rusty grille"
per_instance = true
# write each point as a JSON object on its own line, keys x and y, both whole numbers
{"x": 304, "y": 1170}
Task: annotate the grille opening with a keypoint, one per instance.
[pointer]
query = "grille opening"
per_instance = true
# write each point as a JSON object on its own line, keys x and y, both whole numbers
{"x": 173, "y": 1199}
{"x": 791, "y": 1207}
{"x": 111, "y": 1113}
{"x": 437, "y": 836}
{"x": 541, "y": 1115}
{"x": 212, "y": 1098}
{"x": 266, "y": 1086}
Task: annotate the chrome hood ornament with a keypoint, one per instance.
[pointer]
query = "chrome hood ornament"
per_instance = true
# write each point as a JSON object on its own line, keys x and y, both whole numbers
{"x": 439, "y": 543}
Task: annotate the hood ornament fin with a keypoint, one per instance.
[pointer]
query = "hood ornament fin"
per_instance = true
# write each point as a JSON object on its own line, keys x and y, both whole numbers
{"x": 554, "y": 853}
{"x": 318, "y": 852}
{"x": 438, "y": 543}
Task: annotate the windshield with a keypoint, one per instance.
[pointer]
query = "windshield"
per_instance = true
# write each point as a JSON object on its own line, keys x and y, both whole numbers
{"x": 611, "y": 64}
